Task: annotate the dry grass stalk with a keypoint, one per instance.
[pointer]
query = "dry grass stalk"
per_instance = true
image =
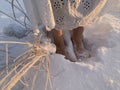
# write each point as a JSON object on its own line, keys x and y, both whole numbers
{"x": 10, "y": 80}
{"x": 17, "y": 64}
{"x": 6, "y": 58}
{"x": 14, "y": 42}
{"x": 48, "y": 71}
{"x": 23, "y": 56}
{"x": 24, "y": 62}
{"x": 48, "y": 78}
{"x": 36, "y": 74}
{"x": 21, "y": 79}
{"x": 18, "y": 76}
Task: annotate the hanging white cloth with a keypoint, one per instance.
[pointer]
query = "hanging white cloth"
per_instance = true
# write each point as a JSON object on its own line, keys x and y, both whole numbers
{"x": 40, "y": 13}
{"x": 62, "y": 14}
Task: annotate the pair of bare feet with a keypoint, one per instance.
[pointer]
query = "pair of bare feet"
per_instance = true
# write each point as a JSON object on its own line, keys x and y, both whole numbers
{"x": 69, "y": 43}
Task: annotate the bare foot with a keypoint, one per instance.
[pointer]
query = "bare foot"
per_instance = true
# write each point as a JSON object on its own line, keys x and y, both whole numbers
{"x": 82, "y": 54}
{"x": 77, "y": 39}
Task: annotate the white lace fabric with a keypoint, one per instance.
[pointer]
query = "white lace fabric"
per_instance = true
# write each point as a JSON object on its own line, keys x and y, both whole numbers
{"x": 65, "y": 14}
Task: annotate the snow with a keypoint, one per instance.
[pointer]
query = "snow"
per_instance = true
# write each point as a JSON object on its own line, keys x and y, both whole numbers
{"x": 100, "y": 72}
{"x": 14, "y": 30}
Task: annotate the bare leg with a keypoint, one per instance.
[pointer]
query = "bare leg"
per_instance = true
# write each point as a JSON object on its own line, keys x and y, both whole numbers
{"x": 77, "y": 37}
{"x": 59, "y": 41}
{"x": 69, "y": 46}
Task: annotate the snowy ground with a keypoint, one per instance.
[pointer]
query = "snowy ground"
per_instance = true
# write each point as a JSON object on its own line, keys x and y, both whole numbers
{"x": 100, "y": 72}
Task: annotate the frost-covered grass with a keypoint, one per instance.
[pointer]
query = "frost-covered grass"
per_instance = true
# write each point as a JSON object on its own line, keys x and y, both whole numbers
{"x": 100, "y": 72}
